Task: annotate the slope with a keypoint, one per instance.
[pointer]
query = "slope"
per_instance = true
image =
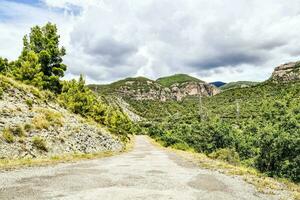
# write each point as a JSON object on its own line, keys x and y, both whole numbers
{"x": 33, "y": 125}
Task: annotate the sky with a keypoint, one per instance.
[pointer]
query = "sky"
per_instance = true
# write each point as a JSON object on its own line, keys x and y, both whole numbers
{"x": 214, "y": 40}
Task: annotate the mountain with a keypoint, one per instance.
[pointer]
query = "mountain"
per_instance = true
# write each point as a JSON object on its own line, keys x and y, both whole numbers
{"x": 218, "y": 83}
{"x": 168, "y": 81}
{"x": 238, "y": 84}
{"x": 249, "y": 123}
{"x": 172, "y": 87}
{"x": 287, "y": 72}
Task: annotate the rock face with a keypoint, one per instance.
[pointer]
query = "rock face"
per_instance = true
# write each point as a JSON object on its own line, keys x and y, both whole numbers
{"x": 177, "y": 91}
{"x": 287, "y": 72}
{"x": 40, "y": 128}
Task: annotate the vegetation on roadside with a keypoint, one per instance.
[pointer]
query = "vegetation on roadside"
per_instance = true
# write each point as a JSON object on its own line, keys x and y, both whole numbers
{"x": 41, "y": 65}
{"x": 258, "y": 125}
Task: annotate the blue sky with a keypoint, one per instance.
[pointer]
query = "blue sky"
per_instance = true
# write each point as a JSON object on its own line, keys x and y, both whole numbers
{"x": 213, "y": 40}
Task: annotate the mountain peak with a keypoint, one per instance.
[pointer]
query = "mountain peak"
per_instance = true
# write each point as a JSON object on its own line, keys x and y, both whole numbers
{"x": 168, "y": 81}
{"x": 287, "y": 72}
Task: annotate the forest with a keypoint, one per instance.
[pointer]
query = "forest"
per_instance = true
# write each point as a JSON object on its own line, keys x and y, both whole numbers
{"x": 257, "y": 126}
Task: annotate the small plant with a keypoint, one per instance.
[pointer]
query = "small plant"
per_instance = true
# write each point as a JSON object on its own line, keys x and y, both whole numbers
{"x": 29, "y": 103}
{"x": 8, "y": 136}
{"x": 1, "y": 93}
{"x": 53, "y": 118}
{"x": 39, "y": 143}
{"x": 19, "y": 131}
{"x": 228, "y": 155}
{"x": 40, "y": 122}
{"x": 28, "y": 127}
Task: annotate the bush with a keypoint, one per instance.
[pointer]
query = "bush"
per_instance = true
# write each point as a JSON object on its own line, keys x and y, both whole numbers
{"x": 29, "y": 103}
{"x": 53, "y": 117}
{"x": 8, "y": 136}
{"x": 39, "y": 143}
{"x": 1, "y": 93}
{"x": 19, "y": 131}
{"x": 28, "y": 127}
{"x": 40, "y": 122}
{"x": 228, "y": 155}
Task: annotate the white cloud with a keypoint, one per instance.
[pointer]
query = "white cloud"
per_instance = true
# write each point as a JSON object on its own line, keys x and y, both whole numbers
{"x": 214, "y": 40}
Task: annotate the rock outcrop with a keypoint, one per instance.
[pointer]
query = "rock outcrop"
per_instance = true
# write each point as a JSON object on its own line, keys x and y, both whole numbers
{"x": 177, "y": 91}
{"x": 288, "y": 72}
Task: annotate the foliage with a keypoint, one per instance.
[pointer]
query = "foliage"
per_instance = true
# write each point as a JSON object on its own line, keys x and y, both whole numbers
{"x": 226, "y": 154}
{"x": 264, "y": 134}
{"x": 177, "y": 78}
{"x": 8, "y": 136}
{"x": 81, "y": 100}
{"x": 40, "y": 63}
{"x": 39, "y": 143}
{"x": 3, "y": 64}
{"x": 238, "y": 84}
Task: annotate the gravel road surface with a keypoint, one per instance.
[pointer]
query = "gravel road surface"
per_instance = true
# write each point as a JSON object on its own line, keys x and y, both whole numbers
{"x": 147, "y": 172}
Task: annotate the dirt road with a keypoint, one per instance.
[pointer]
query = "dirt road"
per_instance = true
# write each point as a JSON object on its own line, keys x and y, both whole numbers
{"x": 147, "y": 172}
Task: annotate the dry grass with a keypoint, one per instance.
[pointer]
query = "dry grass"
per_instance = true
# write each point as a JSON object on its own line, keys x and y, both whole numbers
{"x": 8, "y": 135}
{"x": 40, "y": 122}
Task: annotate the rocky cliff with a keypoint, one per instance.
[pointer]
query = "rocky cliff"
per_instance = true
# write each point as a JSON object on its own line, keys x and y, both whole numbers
{"x": 287, "y": 72}
{"x": 145, "y": 89}
{"x": 33, "y": 125}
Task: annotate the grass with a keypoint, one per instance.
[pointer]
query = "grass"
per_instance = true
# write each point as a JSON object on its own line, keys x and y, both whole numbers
{"x": 8, "y": 135}
{"x": 39, "y": 143}
{"x": 40, "y": 122}
{"x": 19, "y": 131}
{"x": 262, "y": 183}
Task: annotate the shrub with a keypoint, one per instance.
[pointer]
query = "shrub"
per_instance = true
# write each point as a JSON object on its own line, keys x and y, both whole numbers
{"x": 19, "y": 131}
{"x": 228, "y": 155}
{"x": 28, "y": 127}
{"x": 39, "y": 143}
{"x": 29, "y": 103}
{"x": 40, "y": 122}
{"x": 1, "y": 93}
{"x": 8, "y": 136}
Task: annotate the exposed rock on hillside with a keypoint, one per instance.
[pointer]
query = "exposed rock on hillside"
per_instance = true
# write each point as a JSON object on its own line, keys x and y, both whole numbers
{"x": 163, "y": 89}
{"x": 287, "y": 72}
{"x": 31, "y": 125}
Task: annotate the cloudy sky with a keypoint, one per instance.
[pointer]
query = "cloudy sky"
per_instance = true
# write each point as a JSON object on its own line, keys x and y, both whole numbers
{"x": 224, "y": 40}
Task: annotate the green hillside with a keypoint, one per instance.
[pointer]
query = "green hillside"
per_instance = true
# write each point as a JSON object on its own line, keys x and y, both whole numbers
{"x": 177, "y": 78}
{"x": 238, "y": 84}
{"x": 256, "y": 126}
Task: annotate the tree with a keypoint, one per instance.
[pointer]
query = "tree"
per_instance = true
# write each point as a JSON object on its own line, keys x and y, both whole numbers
{"x": 3, "y": 64}
{"x": 29, "y": 70}
{"x": 44, "y": 42}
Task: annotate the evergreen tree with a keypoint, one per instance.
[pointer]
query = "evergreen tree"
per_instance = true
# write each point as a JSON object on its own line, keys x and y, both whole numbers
{"x": 44, "y": 42}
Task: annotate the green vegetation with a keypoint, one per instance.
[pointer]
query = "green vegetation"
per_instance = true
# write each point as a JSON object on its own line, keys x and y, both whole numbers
{"x": 19, "y": 131}
{"x": 39, "y": 143}
{"x": 41, "y": 65}
{"x": 8, "y": 135}
{"x": 263, "y": 133}
{"x": 137, "y": 83}
{"x": 238, "y": 84}
{"x": 177, "y": 78}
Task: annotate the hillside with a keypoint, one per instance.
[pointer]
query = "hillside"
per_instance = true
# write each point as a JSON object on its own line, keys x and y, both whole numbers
{"x": 168, "y": 81}
{"x": 255, "y": 126}
{"x": 238, "y": 84}
{"x": 174, "y": 87}
{"x": 33, "y": 124}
